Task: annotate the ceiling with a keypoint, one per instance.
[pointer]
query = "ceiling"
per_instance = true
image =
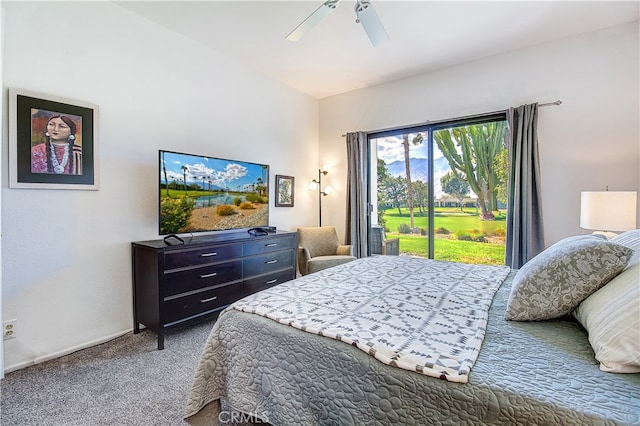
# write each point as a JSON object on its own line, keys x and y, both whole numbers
{"x": 336, "y": 56}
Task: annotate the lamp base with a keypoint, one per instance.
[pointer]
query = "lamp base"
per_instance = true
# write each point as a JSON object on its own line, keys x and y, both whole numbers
{"x": 607, "y": 234}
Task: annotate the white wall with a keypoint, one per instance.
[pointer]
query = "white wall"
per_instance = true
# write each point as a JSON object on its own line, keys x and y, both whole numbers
{"x": 2, "y": 126}
{"x": 592, "y": 140}
{"x": 66, "y": 254}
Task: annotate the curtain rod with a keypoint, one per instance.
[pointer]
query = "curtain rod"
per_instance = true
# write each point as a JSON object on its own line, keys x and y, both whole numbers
{"x": 558, "y": 102}
{"x": 554, "y": 103}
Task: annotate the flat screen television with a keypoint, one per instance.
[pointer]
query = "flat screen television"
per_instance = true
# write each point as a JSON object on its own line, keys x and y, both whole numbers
{"x": 198, "y": 193}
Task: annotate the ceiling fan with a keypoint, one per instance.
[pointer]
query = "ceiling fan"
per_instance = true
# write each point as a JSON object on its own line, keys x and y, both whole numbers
{"x": 365, "y": 15}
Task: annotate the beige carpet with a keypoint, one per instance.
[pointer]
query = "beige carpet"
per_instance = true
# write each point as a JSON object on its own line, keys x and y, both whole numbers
{"x": 126, "y": 381}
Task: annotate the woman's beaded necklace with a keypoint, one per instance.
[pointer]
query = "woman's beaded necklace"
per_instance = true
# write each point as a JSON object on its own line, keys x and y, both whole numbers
{"x": 58, "y": 166}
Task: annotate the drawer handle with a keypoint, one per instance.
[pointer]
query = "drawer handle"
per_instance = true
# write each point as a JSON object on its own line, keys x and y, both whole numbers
{"x": 271, "y": 261}
{"x": 209, "y": 299}
{"x": 271, "y": 281}
{"x": 208, "y": 254}
{"x": 271, "y": 245}
{"x": 213, "y": 274}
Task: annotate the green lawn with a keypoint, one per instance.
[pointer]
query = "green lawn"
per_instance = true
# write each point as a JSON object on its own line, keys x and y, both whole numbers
{"x": 449, "y": 218}
{"x": 452, "y": 250}
{"x": 446, "y": 248}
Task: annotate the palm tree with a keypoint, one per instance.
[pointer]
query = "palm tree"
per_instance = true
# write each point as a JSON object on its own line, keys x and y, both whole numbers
{"x": 417, "y": 140}
{"x": 265, "y": 179}
{"x": 184, "y": 173}
{"x": 164, "y": 169}
{"x": 260, "y": 186}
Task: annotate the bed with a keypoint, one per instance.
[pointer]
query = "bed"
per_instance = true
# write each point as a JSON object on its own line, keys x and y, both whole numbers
{"x": 278, "y": 366}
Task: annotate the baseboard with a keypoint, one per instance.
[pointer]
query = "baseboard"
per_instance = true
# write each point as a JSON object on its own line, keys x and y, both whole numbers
{"x": 48, "y": 357}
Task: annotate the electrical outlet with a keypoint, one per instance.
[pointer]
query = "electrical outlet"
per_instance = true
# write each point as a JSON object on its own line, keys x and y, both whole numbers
{"x": 9, "y": 328}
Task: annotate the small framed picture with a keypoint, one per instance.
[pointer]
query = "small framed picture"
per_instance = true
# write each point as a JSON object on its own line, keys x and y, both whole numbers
{"x": 284, "y": 191}
{"x": 53, "y": 142}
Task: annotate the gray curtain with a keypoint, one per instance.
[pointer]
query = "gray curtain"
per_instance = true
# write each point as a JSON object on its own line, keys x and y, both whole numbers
{"x": 356, "y": 230}
{"x": 525, "y": 237}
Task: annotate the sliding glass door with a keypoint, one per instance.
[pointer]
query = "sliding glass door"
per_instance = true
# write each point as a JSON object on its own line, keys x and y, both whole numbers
{"x": 439, "y": 190}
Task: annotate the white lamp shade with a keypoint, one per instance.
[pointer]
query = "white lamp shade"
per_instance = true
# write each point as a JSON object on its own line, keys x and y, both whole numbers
{"x": 608, "y": 210}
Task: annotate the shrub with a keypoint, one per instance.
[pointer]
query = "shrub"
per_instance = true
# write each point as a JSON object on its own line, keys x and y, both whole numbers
{"x": 423, "y": 231}
{"x": 443, "y": 231}
{"x": 225, "y": 210}
{"x": 237, "y": 201}
{"x": 175, "y": 214}
{"x": 470, "y": 235}
{"x": 256, "y": 198}
{"x": 462, "y": 236}
{"x": 480, "y": 238}
{"x": 500, "y": 232}
{"x": 247, "y": 206}
{"x": 403, "y": 228}
{"x": 253, "y": 198}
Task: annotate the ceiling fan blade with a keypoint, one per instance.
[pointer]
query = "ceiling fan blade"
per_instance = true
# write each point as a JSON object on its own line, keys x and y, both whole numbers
{"x": 371, "y": 23}
{"x": 312, "y": 20}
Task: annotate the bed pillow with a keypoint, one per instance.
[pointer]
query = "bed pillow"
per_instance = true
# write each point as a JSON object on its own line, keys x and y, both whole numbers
{"x": 611, "y": 316}
{"x": 630, "y": 239}
{"x": 553, "y": 283}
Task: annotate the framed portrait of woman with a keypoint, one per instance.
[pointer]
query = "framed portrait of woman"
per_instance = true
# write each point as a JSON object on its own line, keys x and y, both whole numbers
{"x": 53, "y": 142}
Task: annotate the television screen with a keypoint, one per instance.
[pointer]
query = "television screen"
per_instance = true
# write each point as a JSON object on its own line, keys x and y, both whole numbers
{"x": 199, "y": 193}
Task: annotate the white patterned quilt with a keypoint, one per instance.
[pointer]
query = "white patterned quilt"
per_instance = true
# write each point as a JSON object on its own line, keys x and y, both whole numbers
{"x": 420, "y": 315}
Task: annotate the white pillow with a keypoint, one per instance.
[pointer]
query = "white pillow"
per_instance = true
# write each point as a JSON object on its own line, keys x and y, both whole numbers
{"x": 630, "y": 239}
{"x": 611, "y": 315}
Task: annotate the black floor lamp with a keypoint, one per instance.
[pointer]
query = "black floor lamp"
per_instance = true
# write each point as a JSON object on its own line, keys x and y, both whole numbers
{"x": 317, "y": 184}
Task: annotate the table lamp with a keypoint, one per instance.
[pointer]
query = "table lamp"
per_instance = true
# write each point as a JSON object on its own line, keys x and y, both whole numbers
{"x": 608, "y": 211}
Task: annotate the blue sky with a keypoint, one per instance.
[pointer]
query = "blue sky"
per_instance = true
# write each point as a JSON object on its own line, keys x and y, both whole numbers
{"x": 390, "y": 149}
{"x": 230, "y": 174}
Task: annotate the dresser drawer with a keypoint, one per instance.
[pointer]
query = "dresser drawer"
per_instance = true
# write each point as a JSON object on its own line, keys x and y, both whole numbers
{"x": 183, "y": 280}
{"x": 268, "y": 262}
{"x": 186, "y": 306}
{"x": 257, "y": 284}
{"x": 268, "y": 244}
{"x": 181, "y": 258}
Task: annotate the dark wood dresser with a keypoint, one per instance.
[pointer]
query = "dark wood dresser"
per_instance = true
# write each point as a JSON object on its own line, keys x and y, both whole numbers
{"x": 180, "y": 284}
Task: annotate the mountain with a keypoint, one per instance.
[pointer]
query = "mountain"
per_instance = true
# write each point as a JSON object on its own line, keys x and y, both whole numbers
{"x": 420, "y": 171}
{"x": 419, "y": 168}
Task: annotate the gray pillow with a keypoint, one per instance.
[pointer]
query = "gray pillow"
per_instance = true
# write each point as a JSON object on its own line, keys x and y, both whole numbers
{"x": 554, "y": 282}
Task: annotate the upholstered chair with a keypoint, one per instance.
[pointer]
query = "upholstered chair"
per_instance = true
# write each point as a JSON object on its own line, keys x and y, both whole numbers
{"x": 319, "y": 248}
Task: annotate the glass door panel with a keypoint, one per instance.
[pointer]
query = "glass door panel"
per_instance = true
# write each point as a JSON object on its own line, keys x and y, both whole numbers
{"x": 400, "y": 193}
{"x": 470, "y": 197}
